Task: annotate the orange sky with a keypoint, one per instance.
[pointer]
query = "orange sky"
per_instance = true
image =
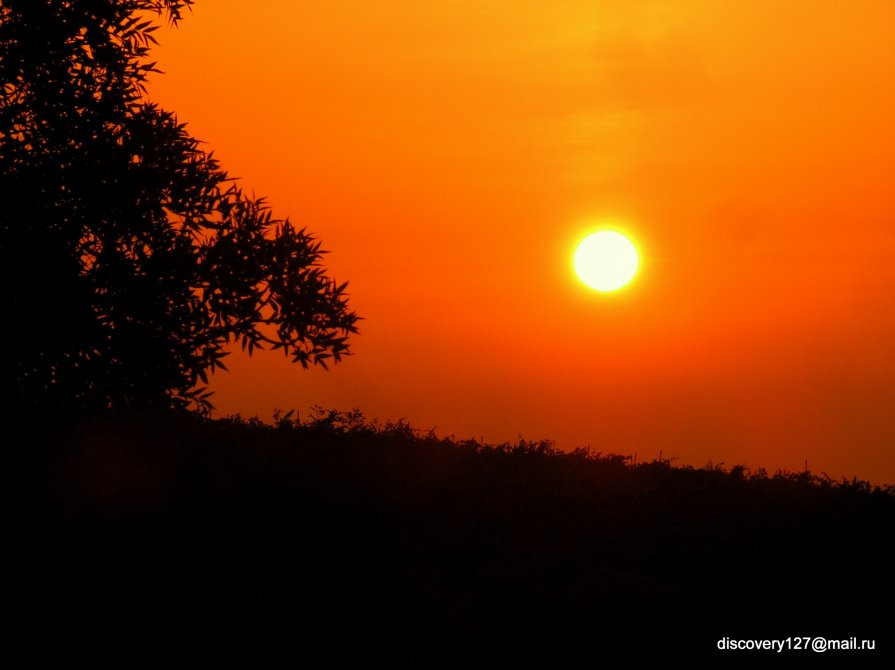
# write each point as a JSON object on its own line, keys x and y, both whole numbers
{"x": 450, "y": 155}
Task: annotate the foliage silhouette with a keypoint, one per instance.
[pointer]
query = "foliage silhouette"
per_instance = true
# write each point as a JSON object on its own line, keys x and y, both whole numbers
{"x": 130, "y": 260}
{"x": 333, "y": 541}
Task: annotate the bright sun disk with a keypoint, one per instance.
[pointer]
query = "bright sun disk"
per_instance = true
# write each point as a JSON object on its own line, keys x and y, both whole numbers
{"x": 606, "y": 260}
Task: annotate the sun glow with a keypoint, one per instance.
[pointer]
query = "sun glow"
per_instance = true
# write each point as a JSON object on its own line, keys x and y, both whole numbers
{"x": 606, "y": 261}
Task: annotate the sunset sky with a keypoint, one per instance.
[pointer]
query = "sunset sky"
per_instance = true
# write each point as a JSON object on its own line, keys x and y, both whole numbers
{"x": 451, "y": 154}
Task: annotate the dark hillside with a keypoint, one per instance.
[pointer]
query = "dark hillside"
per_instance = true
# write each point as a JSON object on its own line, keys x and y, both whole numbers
{"x": 338, "y": 541}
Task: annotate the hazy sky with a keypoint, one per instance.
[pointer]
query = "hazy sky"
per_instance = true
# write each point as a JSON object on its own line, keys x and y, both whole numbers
{"x": 450, "y": 154}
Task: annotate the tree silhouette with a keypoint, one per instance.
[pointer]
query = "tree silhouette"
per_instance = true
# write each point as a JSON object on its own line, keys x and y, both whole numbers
{"x": 129, "y": 258}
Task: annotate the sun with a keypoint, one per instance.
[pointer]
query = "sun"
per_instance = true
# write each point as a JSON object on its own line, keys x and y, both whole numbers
{"x": 606, "y": 260}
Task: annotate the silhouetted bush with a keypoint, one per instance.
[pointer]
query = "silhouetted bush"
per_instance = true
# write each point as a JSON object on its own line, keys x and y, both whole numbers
{"x": 129, "y": 258}
{"x": 333, "y": 539}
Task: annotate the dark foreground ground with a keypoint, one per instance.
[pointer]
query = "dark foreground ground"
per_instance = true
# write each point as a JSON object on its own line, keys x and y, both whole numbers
{"x": 337, "y": 542}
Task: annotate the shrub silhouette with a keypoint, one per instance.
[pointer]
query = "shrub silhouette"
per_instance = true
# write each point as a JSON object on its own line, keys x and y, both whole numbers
{"x": 337, "y": 541}
{"x": 130, "y": 259}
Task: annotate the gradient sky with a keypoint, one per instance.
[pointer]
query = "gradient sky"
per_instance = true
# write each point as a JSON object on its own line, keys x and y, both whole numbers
{"x": 450, "y": 154}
